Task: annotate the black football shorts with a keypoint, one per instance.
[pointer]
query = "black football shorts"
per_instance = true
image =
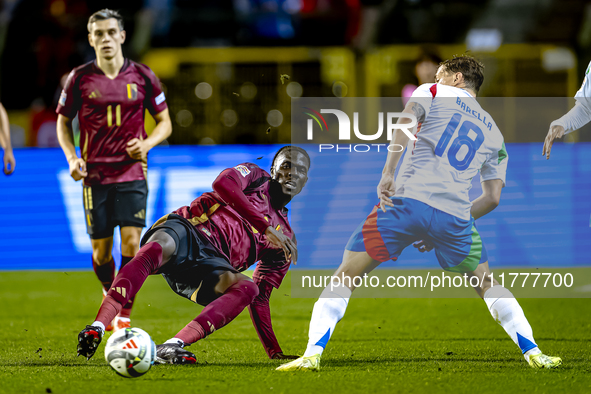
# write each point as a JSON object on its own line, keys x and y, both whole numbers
{"x": 194, "y": 269}
{"x": 116, "y": 204}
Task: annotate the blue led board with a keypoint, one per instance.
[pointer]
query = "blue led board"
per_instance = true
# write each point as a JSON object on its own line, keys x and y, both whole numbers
{"x": 542, "y": 221}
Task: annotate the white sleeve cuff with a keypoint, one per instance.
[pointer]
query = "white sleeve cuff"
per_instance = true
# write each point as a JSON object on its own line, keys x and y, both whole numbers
{"x": 574, "y": 119}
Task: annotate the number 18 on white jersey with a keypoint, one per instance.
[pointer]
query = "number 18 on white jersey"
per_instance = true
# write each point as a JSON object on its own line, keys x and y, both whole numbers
{"x": 455, "y": 141}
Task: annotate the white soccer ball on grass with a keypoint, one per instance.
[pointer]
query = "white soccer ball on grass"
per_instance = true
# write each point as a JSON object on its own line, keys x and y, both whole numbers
{"x": 130, "y": 352}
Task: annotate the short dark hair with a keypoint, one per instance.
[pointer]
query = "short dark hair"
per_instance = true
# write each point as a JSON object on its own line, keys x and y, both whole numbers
{"x": 105, "y": 14}
{"x": 471, "y": 69}
{"x": 292, "y": 148}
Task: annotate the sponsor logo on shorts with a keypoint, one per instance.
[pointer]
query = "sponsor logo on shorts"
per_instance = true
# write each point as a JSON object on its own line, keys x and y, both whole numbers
{"x": 141, "y": 214}
{"x": 206, "y": 231}
{"x": 243, "y": 170}
{"x": 160, "y": 98}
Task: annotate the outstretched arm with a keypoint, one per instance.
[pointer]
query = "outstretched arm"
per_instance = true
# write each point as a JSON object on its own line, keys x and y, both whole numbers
{"x": 573, "y": 120}
{"x": 260, "y": 313}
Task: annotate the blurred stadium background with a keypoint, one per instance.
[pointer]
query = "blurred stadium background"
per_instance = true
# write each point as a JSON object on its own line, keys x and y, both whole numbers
{"x": 230, "y": 69}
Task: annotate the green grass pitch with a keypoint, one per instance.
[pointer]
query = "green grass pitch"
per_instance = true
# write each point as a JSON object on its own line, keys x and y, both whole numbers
{"x": 381, "y": 346}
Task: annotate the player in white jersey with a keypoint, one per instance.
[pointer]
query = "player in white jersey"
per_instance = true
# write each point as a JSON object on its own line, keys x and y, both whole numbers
{"x": 452, "y": 148}
{"x": 429, "y": 204}
{"x": 574, "y": 119}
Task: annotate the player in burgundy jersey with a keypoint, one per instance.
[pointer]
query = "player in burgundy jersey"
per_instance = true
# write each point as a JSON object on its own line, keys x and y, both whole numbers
{"x": 202, "y": 248}
{"x": 110, "y": 96}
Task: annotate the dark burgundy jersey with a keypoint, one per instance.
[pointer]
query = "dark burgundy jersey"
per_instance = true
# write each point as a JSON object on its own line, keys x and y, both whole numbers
{"x": 236, "y": 226}
{"x": 111, "y": 113}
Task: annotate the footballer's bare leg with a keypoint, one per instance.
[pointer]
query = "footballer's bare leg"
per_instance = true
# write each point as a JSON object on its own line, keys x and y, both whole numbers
{"x": 355, "y": 264}
{"x": 130, "y": 240}
{"x": 232, "y": 294}
{"x": 153, "y": 255}
{"x": 101, "y": 250}
{"x": 130, "y": 243}
{"x": 505, "y": 309}
{"x": 330, "y": 309}
{"x": 485, "y": 279}
{"x": 228, "y": 279}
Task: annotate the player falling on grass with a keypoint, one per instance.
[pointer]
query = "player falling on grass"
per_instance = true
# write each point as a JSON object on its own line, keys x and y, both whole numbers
{"x": 202, "y": 248}
{"x": 110, "y": 96}
{"x": 574, "y": 119}
{"x": 429, "y": 203}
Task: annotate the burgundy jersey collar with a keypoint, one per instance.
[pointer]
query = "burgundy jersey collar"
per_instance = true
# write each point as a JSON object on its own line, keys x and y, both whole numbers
{"x": 98, "y": 70}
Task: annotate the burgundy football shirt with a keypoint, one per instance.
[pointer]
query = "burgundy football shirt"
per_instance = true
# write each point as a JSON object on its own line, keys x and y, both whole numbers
{"x": 234, "y": 218}
{"x": 240, "y": 237}
{"x": 111, "y": 113}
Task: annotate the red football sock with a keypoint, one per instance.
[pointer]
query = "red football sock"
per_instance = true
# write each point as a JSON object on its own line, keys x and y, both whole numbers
{"x": 108, "y": 310}
{"x": 105, "y": 273}
{"x": 219, "y": 312}
{"x": 129, "y": 281}
{"x": 126, "y": 311}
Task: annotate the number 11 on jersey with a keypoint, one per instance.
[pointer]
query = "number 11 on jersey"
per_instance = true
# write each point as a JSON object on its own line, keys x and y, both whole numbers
{"x": 464, "y": 138}
{"x": 117, "y": 115}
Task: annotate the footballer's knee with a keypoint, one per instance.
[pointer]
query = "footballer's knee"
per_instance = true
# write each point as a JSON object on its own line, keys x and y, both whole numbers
{"x": 485, "y": 279}
{"x": 228, "y": 279}
{"x": 166, "y": 242}
{"x": 101, "y": 250}
{"x": 130, "y": 240}
{"x": 130, "y": 247}
{"x": 354, "y": 264}
{"x": 101, "y": 257}
{"x": 486, "y": 284}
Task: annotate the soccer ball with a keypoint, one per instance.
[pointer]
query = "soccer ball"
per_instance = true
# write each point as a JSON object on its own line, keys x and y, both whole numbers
{"x": 130, "y": 352}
